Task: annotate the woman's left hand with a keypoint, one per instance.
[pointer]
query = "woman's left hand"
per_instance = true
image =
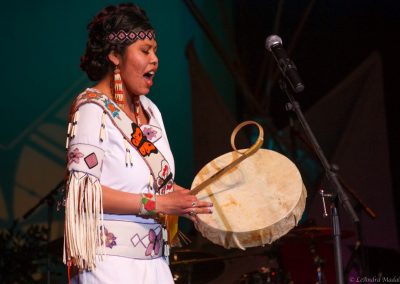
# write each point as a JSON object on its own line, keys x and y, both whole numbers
{"x": 196, "y": 208}
{"x": 181, "y": 202}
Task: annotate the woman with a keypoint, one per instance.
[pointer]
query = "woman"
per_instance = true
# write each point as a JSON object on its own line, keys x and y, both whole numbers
{"x": 120, "y": 164}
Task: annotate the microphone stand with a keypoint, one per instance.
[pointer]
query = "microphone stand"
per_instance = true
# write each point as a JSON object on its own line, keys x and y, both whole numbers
{"x": 49, "y": 200}
{"x": 358, "y": 252}
{"x": 294, "y": 106}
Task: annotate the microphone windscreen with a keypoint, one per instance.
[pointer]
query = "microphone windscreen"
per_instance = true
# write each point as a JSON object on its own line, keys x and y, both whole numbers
{"x": 271, "y": 41}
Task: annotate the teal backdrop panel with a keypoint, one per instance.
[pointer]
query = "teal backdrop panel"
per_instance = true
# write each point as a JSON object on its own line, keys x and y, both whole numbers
{"x": 41, "y": 47}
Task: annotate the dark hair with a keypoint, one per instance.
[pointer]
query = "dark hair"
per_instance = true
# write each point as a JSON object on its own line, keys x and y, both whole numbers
{"x": 125, "y": 17}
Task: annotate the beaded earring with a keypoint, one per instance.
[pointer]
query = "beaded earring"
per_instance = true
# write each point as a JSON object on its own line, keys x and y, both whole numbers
{"x": 118, "y": 90}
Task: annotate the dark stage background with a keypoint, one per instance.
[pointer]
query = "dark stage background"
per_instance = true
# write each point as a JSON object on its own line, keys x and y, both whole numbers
{"x": 211, "y": 55}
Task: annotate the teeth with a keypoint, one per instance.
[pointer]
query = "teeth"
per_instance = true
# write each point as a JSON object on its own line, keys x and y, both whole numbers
{"x": 149, "y": 74}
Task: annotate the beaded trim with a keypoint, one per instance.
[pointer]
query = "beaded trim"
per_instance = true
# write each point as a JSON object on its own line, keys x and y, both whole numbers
{"x": 131, "y": 36}
{"x": 147, "y": 204}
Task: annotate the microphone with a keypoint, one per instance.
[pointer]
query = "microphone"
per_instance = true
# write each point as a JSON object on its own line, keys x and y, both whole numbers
{"x": 274, "y": 44}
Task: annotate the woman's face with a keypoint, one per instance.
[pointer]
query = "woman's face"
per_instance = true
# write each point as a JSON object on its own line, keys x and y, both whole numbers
{"x": 138, "y": 66}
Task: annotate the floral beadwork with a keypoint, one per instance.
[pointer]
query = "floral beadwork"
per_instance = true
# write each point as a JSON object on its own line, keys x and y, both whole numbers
{"x": 165, "y": 180}
{"x": 111, "y": 107}
{"x": 110, "y": 238}
{"x": 149, "y": 132}
{"x": 91, "y": 95}
{"x": 148, "y": 204}
{"x": 74, "y": 156}
{"x": 153, "y": 248}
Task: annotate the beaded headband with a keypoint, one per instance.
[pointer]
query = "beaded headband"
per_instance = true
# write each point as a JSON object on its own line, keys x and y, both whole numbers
{"x": 130, "y": 36}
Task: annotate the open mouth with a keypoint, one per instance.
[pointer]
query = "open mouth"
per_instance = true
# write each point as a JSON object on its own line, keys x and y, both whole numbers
{"x": 149, "y": 75}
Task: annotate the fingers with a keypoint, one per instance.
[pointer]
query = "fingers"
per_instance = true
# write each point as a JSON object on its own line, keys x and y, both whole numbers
{"x": 181, "y": 202}
{"x": 193, "y": 211}
{"x": 188, "y": 201}
{"x": 200, "y": 204}
{"x": 199, "y": 207}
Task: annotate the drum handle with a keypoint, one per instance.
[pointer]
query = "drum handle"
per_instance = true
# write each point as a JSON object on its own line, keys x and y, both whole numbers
{"x": 247, "y": 153}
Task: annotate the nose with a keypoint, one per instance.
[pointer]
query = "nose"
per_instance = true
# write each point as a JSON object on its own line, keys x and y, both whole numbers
{"x": 154, "y": 59}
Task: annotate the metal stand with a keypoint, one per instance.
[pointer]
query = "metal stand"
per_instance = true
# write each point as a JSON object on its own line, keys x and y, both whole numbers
{"x": 49, "y": 200}
{"x": 359, "y": 250}
{"x": 336, "y": 241}
{"x": 50, "y": 203}
{"x": 331, "y": 176}
{"x": 358, "y": 255}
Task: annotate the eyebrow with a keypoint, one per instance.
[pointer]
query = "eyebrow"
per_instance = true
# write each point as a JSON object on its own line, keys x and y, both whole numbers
{"x": 150, "y": 45}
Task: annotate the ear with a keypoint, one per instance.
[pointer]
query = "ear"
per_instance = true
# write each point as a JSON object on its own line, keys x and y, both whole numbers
{"x": 114, "y": 57}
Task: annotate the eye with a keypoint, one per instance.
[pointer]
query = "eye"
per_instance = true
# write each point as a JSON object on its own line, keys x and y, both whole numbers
{"x": 145, "y": 51}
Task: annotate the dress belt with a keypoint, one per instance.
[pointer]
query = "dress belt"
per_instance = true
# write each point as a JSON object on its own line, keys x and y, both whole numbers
{"x": 133, "y": 240}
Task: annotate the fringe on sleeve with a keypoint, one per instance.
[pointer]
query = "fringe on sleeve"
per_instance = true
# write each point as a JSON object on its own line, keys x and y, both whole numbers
{"x": 83, "y": 234}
